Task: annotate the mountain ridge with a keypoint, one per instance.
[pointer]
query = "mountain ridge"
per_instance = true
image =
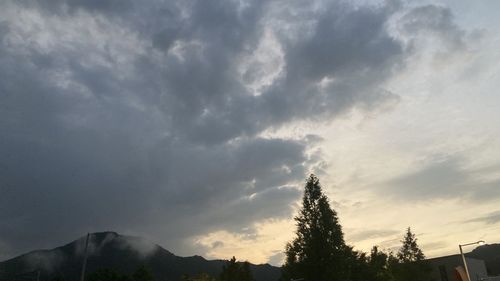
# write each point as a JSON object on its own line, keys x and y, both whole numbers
{"x": 119, "y": 252}
{"x": 490, "y": 253}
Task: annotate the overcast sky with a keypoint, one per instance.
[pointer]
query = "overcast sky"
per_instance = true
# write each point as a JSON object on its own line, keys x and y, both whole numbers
{"x": 195, "y": 123}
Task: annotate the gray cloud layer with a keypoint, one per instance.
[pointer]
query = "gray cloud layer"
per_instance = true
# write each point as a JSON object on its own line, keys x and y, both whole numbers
{"x": 444, "y": 179}
{"x": 364, "y": 234}
{"x": 142, "y": 117}
{"x": 491, "y": 218}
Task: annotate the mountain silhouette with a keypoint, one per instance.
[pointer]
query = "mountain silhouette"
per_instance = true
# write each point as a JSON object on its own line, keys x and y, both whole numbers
{"x": 119, "y": 252}
{"x": 490, "y": 253}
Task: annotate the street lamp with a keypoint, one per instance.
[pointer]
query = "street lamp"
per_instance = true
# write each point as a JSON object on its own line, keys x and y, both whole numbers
{"x": 480, "y": 242}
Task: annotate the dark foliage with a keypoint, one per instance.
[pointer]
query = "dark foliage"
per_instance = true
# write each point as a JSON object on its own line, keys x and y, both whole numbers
{"x": 104, "y": 274}
{"x": 143, "y": 274}
{"x": 58, "y": 277}
{"x": 319, "y": 253}
{"x": 409, "y": 251}
{"x": 198, "y": 277}
{"x": 410, "y": 264}
{"x": 107, "y": 274}
{"x": 235, "y": 271}
{"x": 378, "y": 266}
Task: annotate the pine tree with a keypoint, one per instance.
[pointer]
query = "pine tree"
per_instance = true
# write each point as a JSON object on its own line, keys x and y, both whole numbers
{"x": 318, "y": 253}
{"x": 410, "y": 252}
{"x": 409, "y": 263}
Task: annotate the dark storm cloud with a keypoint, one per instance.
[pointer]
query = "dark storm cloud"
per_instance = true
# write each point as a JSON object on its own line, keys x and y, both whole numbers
{"x": 434, "y": 20}
{"x": 335, "y": 61}
{"x": 137, "y": 117}
{"x": 61, "y": 6}
{"x": 446, "y": 178}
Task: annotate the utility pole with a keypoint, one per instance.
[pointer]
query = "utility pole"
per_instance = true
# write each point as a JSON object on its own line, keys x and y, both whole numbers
{"x": 84, "y": 265}
{"x": 38, "y": 275}
{"x": 463, "y": 260}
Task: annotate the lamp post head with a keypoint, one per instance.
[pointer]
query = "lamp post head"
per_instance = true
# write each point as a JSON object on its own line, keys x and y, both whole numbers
{"x": 480, "y": 242}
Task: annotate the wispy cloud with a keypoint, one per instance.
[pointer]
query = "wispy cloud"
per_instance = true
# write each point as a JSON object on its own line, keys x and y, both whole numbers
{"x": 491, "y": 218}
{"x": 445, "y": 178}
{"x": 361, "y": 235}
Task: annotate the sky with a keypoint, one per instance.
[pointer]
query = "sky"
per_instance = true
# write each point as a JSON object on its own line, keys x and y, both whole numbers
{"x": 195, "y": 123}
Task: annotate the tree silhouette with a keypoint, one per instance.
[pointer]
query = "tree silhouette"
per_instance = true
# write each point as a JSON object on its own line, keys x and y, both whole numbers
{"x": 410, "y": 252}
{"x": 379, "y": 265}
{"x": 318, "y": 253}
{"x": 235, "y": 271}
{"x": 109, "y": 274}
{"x": 359, "y": 267}
{"x": 409, "y": 263}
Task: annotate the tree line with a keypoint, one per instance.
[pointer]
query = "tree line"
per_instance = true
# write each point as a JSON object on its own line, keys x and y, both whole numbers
{"x": 319, "y": 252}
{"x": 231, "y": 271}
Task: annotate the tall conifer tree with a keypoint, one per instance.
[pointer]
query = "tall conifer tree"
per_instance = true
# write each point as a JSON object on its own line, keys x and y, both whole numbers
{"x": 409, "y": 251}
{"x": 318, "y": 253}
{"x": 410, "y": 264}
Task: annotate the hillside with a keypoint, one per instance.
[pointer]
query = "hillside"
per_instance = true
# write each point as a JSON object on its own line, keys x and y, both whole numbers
{"x": 491, "y": 255}
{"x": 122, "y": 253}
